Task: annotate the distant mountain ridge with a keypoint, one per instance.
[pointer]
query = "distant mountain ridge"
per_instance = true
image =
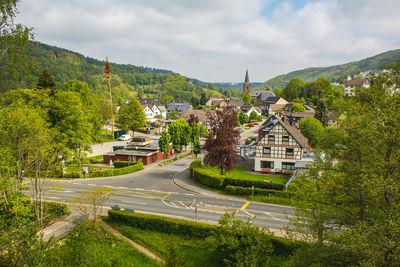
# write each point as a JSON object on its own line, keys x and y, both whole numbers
{"x": 337, "y": 73}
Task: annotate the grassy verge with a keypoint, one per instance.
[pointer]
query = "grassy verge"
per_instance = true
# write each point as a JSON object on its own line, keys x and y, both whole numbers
{"x": 240, "y": 174}
{"x": 85, "y": 246}
{"x": 190, "y": 251}
{"x": 170, "y": 160}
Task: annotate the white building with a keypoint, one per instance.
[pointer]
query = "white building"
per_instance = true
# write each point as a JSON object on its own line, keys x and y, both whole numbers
{"x": 279, "y": 147}
{"x": 350, "y": 85}
{"x": 153, "y": 110}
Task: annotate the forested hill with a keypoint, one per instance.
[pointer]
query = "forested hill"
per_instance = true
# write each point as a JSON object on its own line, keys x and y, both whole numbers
{"x": 126, "y": 80}
{"x": 336, "y": 73}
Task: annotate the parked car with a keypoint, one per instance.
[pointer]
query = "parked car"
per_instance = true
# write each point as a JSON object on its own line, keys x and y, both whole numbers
{"x": 250, "y": 125}
{"x": 124, "y": 137}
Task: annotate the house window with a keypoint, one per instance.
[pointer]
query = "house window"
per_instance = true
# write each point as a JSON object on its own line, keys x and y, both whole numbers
{"x": 289, "y": 151}
{"x": 285, "y": 138}
{"x": 271, "y": 137}
{"x": 288, "y": 165}
{"x": 267, "y": 164}
{"x": 266, "y": 150}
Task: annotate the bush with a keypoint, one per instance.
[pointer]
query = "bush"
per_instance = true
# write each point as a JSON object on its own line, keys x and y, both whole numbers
{"x": 122, "y": 164}
{"x": 135, "y": 166}
{"x": 96, "y": 159}
{"x": 70, "y": 175}
{"x": 246, "y": 191}
{"x": 281, "y": 246}
{"x": 218, "y": 181}
{"x": 162, "y": 224}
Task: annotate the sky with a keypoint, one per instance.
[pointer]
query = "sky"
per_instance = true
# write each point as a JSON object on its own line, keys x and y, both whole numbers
{"x": 216, "y": 40}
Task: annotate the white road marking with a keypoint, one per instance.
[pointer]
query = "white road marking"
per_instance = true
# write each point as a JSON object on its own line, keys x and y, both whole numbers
{"x": 92, "y": 184}
{"x": 183, "y": 204}
{"x": 132, "y": 202}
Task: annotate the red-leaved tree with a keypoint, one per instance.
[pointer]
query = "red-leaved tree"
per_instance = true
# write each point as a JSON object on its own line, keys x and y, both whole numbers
{"x": 222, "y": 139}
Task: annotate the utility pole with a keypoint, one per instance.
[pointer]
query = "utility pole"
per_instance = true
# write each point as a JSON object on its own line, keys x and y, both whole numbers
{"x": 107, "y": 71}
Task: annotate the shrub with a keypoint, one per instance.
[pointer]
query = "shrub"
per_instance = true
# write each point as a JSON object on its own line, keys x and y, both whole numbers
{"x": 70, "y": 175}
{"x": 246, "y": 191}
{"x": 136, "y": 166}
{"x": 162, "y": 224}
{"x": 214, "y": 180}
{"x": 96, "y": 159}
{"x": 281, "y": 246}
{"x": 122, "y": 164}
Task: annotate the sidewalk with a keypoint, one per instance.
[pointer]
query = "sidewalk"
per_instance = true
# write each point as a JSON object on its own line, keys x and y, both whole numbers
{"x": 62, "y": 226}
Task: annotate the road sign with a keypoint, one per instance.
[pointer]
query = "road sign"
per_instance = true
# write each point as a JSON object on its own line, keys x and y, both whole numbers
{"x": 233, "y": 204}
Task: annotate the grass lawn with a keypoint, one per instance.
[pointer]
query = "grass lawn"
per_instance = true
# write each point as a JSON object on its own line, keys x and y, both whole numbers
{"x": 73, "y": 167}
{"x": 239, "y": 173}
{"x": 106, "y": 136}
{"x": 87, "y": 247}
{"x": 192, "y": 251}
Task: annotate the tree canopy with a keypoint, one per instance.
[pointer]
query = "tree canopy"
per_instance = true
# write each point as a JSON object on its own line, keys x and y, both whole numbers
{"x": 131, "y": 116}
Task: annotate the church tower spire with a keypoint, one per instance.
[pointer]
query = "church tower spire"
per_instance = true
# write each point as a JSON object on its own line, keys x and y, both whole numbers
{"x": 246, "y": 84}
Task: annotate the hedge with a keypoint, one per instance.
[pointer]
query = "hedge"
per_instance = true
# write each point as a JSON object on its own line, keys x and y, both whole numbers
{"x": 246, "y": 191}
{"x": 122, "y": 164}
{"x": 211, "y": 179}
{"x": 282, "y": 246}
{"x": 135, "y": 166}
{"x": 162, "y": 224}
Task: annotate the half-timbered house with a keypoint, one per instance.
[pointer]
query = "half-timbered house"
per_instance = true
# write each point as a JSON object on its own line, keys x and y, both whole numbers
{"x": 279, "y": 146}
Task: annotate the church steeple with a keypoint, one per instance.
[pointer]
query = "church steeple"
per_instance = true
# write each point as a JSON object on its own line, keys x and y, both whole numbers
{"x": 246, "y": 84}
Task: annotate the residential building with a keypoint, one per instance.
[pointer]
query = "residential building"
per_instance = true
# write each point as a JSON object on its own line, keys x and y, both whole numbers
{"x": 149, "y": 101}
{"x": 153, "y": 110}
{"x": 200, "y": 114}
{"x": 279, "y": 147}
{"x": 350, "y": 85}
{"x": 178, "y": 106}
{"x": 249, "y": 108}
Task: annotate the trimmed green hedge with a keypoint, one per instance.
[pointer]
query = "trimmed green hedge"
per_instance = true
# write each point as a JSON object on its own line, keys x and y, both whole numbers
{"x": 218, "y": 181}
{"x": 246, "y": 191}
{"x": 282, "y": 246}
{"x": 162, "y": 224}
{"x": 122, "y": 164}
{"x": 135, "y": 166}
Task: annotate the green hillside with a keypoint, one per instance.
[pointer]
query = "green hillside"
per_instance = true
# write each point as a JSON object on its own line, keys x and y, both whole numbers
{"x": 126, "y": 80}
{"x": 336, "y": 73}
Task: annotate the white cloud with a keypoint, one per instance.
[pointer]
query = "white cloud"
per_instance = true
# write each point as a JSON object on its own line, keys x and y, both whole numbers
{"x": 215, "y": 40}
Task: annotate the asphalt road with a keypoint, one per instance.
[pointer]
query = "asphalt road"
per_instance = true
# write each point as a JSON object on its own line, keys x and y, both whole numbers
{"x": 153, "y": 191}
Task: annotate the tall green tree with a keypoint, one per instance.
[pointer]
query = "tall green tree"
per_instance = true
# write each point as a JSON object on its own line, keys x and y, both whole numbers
{"x": 293, "y": 89}
{"x": 297, "y": 108}
{"x": 46, "y": 80}
{"x": 246, "y": 98}
{"x": 312, "y": 129}
{"x": 359, "y": 189}
{"x": 163, "y": 143}
{"x": 243, "y": 118}
{"x": 321, "y": 113}
{"x": 13, "y": 41}
{"x": 131, "y": 116}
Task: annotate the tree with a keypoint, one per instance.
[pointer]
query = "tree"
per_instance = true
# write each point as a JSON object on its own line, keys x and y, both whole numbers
{"x": 254, "y": 117}
{"x": 131, "y": 116}
{"x": 359, "y": 189}
{"x": 243, "y": 118}
{"x": 321, "y": 113}
{"x": 179, "y": 131}
{"x": 163, "y": 143}
{"x": 312, "y": 129}
{"x": 222, "y": 139}
{"x": 13, "y": 40}
{"x": 46, "y": 80}
{"x": 241, "y": 243}
{"x": 293, "y": 89}
{"x": 91, "y": 202}
{"x": 297, "y": 108}
{"x": 173, "y": 115}
{"x": 203, "y": 99}
{"x": 246, "y": 98}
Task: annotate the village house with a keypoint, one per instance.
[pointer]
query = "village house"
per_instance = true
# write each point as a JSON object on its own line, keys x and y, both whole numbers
{"x": 249, "y": 108}
{"x": 279, "y": 147}
{"x": 153, "y": 110}
{"x": 180, "y": 107}
{"x": 350, "y": 85}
